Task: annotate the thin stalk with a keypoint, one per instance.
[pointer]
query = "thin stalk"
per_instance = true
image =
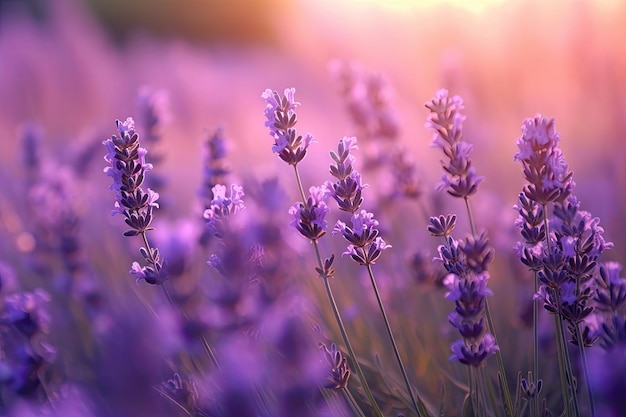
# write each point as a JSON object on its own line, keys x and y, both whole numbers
{"x": 205, "y": 343}
{"x": 338, "y": 319}
{"x": 346, "y": 340}
{"x": 470, "y": 216}
{"x": 473, "y": 390}
{"x": 489, "y": 387}
{"x": 567, "y": 382}
{"x": 417, "y": 403}
{"x": 482, "y": 381}
{"x": 299, "y": 181}
{"x": 352, "y": 401}
{"x": 583, "y": 357}
{"x": 508, "y": 403}
{"x": 535, "y": 402}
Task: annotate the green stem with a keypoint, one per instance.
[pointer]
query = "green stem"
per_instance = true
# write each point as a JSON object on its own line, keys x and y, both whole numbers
{"x": 566, "y": 381}
{"x": 344, "y": 335}
{"x": 583, "y": 357}
{"x": 473, "y": 389}
{"x": 352, "y": 401}
{"x": 299, "y": 181}
{"x": 489, "y": 387}
{"x": 470, "y": 216}
{"x": 417, "y": 403}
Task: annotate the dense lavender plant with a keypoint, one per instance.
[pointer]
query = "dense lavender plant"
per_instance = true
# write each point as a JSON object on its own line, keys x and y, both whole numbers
{"x": 128, "y": 167}
{"x": 564, "y": 250}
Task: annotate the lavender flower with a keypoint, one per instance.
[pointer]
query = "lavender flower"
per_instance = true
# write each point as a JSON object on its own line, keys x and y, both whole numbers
{"x": 23, "y": 321}
{"x": 348, "y": 188}
{"x": 610, "y": 306}
{"x": 367, "y": 97}
{"x": 223, "y": 205}
{"x": 128, "y": 167}
{"x": 446, "y": 120}
{"x": 365, "y": 245}
{"x": 281, "y": 119}
{"x": 466, "y": 263}
{"x": 215, "y": 165}
{"x": 154, "y": 114}
{"x": 154, "y": 110}
{"x": 339, "y": 372}
{"x": 544, "y": 165}
{"x": 310, "y": 217}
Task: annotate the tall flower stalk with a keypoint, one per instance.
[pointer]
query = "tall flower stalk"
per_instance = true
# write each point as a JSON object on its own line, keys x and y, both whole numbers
{"x": 309, "y": 214}
{"x": 128, "y": 168}
{"x": 568, "y": 261}
{"x": 365, "y": 244}
{"x": 461, "y": 180}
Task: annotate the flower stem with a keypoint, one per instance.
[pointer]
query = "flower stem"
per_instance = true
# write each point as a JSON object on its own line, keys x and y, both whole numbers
{"x": 338, "y": 319}
{"x": 352, "y": 401}
{"x": 417, "y": 403}
{"x": 344, "y": 335}
{"x": 583, "y": 357}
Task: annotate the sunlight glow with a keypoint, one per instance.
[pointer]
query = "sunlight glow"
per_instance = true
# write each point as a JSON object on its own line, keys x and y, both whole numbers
{"x": 476, "y": 6}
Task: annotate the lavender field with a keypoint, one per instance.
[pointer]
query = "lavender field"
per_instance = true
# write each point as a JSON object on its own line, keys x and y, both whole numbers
{"x": 312, "y": 208}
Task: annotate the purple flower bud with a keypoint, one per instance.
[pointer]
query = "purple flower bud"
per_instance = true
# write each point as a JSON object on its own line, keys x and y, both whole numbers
{"x": 474, "y": 353}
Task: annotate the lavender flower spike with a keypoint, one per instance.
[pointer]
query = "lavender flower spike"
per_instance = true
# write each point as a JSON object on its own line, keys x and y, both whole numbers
{"x": 128, "y": 167}
{"x": 446, "y": 120}
{"x": 544, "y": 165}
{"x": 281, "y": 119}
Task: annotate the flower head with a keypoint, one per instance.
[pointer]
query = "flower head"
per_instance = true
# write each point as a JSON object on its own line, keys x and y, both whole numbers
{"x": 281, "y": 120}
{"x": 544, "y": 165}
{"x": 446, "y": 120}
{"x": 309, "y": 218}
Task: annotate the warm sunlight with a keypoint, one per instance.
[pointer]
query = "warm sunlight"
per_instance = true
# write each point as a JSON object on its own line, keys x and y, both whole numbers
{"x": 476, "y": 6}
